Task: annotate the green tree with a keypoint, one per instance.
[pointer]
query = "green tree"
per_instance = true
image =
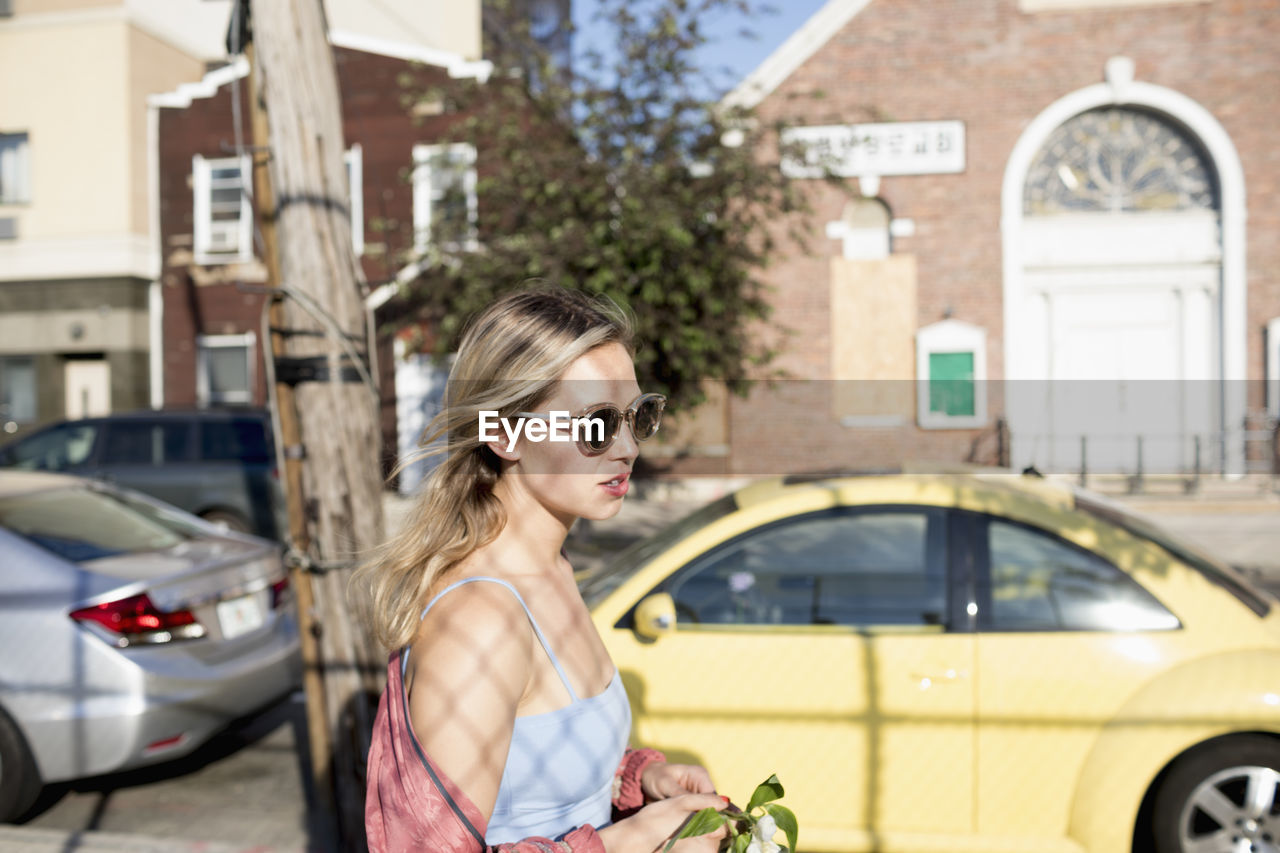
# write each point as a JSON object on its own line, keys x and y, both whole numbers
{"x": 620, "y": 176}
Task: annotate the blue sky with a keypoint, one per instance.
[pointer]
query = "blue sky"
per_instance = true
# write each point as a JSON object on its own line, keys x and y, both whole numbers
{"x": 729, "y": 49}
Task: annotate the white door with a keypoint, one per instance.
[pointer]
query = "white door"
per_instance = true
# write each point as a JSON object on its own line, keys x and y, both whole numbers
{"x": 88, "y": 383}
{"x": 1130, "y": 353}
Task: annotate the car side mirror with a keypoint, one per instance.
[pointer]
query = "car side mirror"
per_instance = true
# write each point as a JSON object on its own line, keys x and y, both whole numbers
{"x": 656, "y": 616}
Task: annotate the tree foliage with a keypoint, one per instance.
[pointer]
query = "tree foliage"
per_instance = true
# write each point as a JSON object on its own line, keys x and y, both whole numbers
{"x": 620, "y": 176}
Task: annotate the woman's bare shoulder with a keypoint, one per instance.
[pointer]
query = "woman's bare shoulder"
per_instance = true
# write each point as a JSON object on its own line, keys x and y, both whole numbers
{"x": 476, "y": 625}
{"x": 472, "y": 652}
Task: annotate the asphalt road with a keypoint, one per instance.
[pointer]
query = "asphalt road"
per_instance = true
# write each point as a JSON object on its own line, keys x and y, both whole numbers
{"x": 247, "y": 787}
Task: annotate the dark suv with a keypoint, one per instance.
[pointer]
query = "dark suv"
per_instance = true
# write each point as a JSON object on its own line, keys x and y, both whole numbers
{"x": 219, "y": 464}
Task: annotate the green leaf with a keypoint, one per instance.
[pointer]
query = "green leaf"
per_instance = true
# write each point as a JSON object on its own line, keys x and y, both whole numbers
{"x": 766, "y": 792}
{"x": 707, "y": 820}
{"x": 786, "y": 820}
{"x": 741, "y": 843}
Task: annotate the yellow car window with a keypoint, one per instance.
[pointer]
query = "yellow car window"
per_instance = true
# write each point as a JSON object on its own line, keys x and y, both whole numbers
{"x": 861, "y": 568}
{"x": 1037, "y": 582}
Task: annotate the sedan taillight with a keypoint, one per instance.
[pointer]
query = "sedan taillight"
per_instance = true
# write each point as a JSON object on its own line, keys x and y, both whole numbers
{"x": 136, "y": 620}
{"x": 280, "y": 593}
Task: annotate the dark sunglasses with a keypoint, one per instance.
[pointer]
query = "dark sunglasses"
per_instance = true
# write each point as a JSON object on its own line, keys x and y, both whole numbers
{"x": 644, "y": 415}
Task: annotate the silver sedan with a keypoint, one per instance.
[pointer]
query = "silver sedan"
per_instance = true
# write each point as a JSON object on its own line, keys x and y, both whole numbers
{"x": 130, "y": 632}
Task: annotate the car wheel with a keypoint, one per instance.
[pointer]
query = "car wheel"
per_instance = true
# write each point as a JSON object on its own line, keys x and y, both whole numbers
{"x": 1223, "y": 797}
{"x": 231, "y": 520}
{"x": 19, "y": 780}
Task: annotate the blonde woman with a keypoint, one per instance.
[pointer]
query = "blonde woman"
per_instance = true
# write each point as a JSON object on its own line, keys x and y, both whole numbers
{"x": 504, "y": 724}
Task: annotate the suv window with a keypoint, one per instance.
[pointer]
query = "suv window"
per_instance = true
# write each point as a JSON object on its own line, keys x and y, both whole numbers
{"x": 57, "y": 449}
{"x": 883, "y": 566}
{"x": 238, "y": 439}
{"x": 145, "y": 443}
{"x": 1037, "y": 582}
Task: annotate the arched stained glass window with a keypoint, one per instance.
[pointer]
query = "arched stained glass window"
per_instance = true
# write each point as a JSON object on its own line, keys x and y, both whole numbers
{"x": 1119, "y": 160}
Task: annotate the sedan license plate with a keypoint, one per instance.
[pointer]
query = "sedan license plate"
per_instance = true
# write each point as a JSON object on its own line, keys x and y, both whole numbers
{"x": 238, "y": 616}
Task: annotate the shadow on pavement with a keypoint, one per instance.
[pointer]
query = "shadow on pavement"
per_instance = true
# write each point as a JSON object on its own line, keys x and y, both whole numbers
{"x": 247, "y": 738}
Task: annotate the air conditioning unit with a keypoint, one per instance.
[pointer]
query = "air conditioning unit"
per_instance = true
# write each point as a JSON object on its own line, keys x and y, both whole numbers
{"x": 224, "y": 237}
{"x": 8, "y": 224}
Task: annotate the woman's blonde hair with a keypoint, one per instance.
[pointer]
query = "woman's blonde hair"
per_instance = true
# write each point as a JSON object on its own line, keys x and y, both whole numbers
{"x": 509, "y": 360}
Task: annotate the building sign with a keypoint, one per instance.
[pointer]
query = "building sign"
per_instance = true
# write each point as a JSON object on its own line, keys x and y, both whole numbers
{"x": 856, "y": 150}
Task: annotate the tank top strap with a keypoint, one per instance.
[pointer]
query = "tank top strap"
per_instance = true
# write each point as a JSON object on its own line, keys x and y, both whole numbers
{"x": 564, "y": 679}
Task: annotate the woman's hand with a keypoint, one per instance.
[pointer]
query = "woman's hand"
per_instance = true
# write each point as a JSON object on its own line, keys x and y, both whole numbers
{"x": 648, "y": 830}
{"x": 661, "y": 780}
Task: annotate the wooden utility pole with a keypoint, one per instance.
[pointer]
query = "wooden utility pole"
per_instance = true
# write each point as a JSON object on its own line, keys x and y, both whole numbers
{"x": 327, "y": 408}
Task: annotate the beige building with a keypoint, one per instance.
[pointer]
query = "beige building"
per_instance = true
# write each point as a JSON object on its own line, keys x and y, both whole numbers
{"x": 80, "y": 82}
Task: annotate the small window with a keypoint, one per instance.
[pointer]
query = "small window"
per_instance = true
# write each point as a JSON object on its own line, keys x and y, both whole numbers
{"x": 864, "y": 568}
{"x": 951, "y": 373}
{"x": 864, "y": 230}
{"x": 15, "y": 169}
{"x": 224, "y": 369}
{"x": 223, "y": 225}
{"x": 1037, "y": 582}
{"x": 354, "y": 161}
{"x": 444, "y": 196}
{"x": 235, "y": 440}
{"x": 141, "y": 443}
{"x": 17, "y": 391}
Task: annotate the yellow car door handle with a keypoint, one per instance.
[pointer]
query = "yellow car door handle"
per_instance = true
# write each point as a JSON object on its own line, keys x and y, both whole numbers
{"x": 927, "y": 680}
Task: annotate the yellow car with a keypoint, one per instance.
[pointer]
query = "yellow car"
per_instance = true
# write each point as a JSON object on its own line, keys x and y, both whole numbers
{"x": 952, "y": 663}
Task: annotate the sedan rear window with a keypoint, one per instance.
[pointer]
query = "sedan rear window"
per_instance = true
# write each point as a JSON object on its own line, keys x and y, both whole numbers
{"x": 81, "y": 525}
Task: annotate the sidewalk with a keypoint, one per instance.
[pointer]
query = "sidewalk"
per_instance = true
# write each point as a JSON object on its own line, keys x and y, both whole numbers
{"x": 22, "y": 839}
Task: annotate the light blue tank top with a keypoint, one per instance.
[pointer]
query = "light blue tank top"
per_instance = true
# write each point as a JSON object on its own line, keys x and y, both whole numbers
{"x": 560, "y": 766}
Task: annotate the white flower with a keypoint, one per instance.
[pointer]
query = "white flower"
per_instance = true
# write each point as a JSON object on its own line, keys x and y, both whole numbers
{"x": 765, "y": 829}
{"x": 762, "y": 836}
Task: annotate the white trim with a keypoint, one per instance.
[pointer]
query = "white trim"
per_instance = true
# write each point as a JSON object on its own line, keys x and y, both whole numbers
{"x": 206, "y": 87}
{"x": 1120, "y": 91}
{"x": 951, "y": 336}
{"x": 1273, "y": 367}
{"x": 422, "y": 216}
{"x": 457, "y": 64}
{"x": 155, "y": 295}
{"x": 204, "y": 343}
{"x": 38, "y": 20}
{"x": 155, "y": 343}
{"x": 794, "y": 52}
{"x": 121, "y": 13}
{"x": 153, "y": 191}
{"x": 101, "y": 256}
{"x": 202, "y": 214}
{"x": 353, "y": 159}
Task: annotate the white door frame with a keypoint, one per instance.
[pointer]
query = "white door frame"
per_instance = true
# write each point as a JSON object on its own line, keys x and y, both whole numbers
{"x": 1121, "y": 90}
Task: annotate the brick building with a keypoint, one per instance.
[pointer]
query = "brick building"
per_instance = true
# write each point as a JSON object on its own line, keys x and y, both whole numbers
{"x": 80, "y": 241}
{"x": 213, "y": 275}
{"x": 1056, "y": 229}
